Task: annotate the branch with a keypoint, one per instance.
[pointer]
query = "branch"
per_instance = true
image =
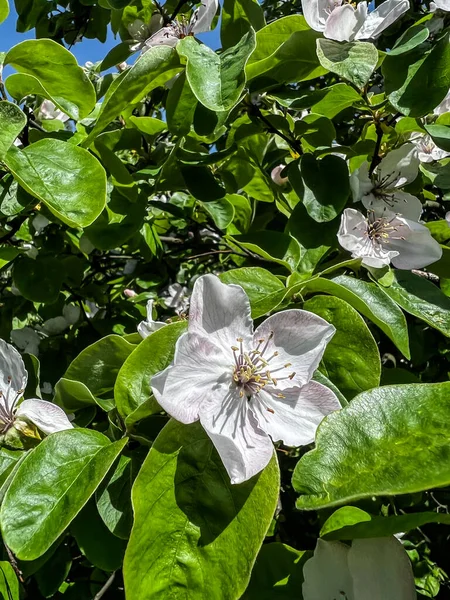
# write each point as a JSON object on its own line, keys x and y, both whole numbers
{"x": 293, "y": 143}
{"x": 376, "y": 158}
{"x": 106, "y": 587}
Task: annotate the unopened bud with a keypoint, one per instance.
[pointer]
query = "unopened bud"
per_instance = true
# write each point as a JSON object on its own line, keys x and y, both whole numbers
{"x": 129, "y": 293}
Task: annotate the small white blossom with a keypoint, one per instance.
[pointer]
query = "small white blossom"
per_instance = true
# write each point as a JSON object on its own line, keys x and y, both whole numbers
{"x": 245, "y": 386}
{"x": 369, "y": 569}
{"x": 427, "y": 151}
{"x": 383, "y": 189}
{"x": 145, "y": 328}
{"x": 277, "y": 177}
{"x": 47, "y": 417}
{"x": 440, "y": 5}
{"x": 27, "y": 339}
{"x": 384, "y": 237}
{"x": 177, "y": 297}
{"x": 40, "y": 223}
{"x": 56, "y": 325}
{"x": 48, "y": 111}
{"x": 339, "y": 20}
{"x": 444, "y": 106}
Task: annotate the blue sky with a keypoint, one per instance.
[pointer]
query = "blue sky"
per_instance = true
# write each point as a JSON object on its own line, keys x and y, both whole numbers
{"x": 86, "y": 50}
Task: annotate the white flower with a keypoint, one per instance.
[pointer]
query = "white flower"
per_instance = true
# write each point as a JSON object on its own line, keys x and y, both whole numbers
{"x": 56, "y": 325}
{"x": 277, "y": 177}
{"x": 371, "y": 569}
{"x": 177, "y": 297}
{"x": 427, "y": 151}
{"x": 384, "y": 237}
{"x": 200, "y": 22}
{"x": 245, "y": 386}
{"x": 339, "y": 20}
{"x": 145, "y": 328}
{"x": 47, "y": 417}
{"x": 26, "y": 339}
{"x": 140, "y": 32}
{"x": 40, "y": 223}
{"x": 440, "y": 5}
{"x": 383, "y": 189}
{"x": 48, "y": 110}
{"x": 444, "y": 106}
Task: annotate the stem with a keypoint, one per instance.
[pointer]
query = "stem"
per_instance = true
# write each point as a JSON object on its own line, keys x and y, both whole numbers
{"x": 178, "y": 7}
{"x": 14, "y": 229}
{"x": 106, "y": 587}
{"x": 376, "y": 158}
{"x": 294, "y": 144}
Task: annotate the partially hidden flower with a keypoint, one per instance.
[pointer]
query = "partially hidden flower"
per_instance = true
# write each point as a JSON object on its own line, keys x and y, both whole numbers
{"x": 440, "y": 5}
{"x": 383, "y": 188}
{"x": 27, "y": 339}
{"x": 14, "y": 413}
{"x": 48, "y": 111}
{"x": 177, "y": 297}
{"x": 244, "y": 385}
{"x": 339, "y": 20}
{"x": 145, "y": 328}
{"x": 369, "y": 569}
{"x": 277, "y": 177}
{"x": 447, "y": 217}
{"x": 444, "y": 106}
{"x": 384, "y": 237}
{"x": 427, "y": 151}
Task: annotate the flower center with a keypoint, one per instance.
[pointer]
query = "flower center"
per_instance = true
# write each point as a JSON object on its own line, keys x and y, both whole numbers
{"x": 380, "y": 229}
{"x": 252, "y": 372}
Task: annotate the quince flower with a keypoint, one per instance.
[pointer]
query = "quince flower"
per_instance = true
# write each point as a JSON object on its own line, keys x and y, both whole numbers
{"x": 440, "y": 5}
{"x": 48, "y": 110}
{"x": 47, "y": 417}
{"x": 427, "y": 151}
{"x": 384, "y": 237}
{"x": 383, "y": 189}
{"x": 145, "y": 328}
{"x": 370, "y": 569}
{"x": 242, "y": 385}
{"x": 339, "y": 20}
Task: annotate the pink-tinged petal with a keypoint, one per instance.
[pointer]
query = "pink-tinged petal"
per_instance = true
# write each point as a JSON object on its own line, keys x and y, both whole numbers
{"x": 441, "y": 5}
{"x": 342, "y": 24}
{"x": 47, "y": 417}
{"x": 13, "y": 375}
{"x": 381, "y": 570}
{"x": 381, "y": 18}
{"x": 326, "y": 574}
{"x": 294, "y": 342}
{"x": 201, "y": 372}
{"x": 415, "y": 246}
{"x": 203, "y": 16}
{"x": 220, "y": 312}
{"x": 294, "y": 419}
{"x": 244, "y": 448}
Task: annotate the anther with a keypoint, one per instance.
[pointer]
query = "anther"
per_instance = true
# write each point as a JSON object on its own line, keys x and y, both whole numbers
{"x": 292, "y": 375}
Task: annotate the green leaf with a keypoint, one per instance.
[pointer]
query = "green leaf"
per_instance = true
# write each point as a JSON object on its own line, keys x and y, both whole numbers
{"x": 152, "y": 69}
{"x": 7, "y": 254}
{"x": 54, "y": 69}
{"x": 421, "y": 298}
{"x": 372, "y": 302}
{"x": 68, "y": 179}
{"x": 351, "y": 360}
{"x": 238, "y": 17}
{"x": 221, "y": 212}
{"x": 39, "y": 279}
{"x": 148, "y": 125}
{"x": 349, "y": 523}
{"x": 388, "y": 441}
{"x": 9, "y": 584}
{"x": 335, "y": 99}
{"x": 265, "y": 291}
{"x": 285, "y": 52}
{"x": 354, "y": 61}
{"x": 408, "y": 75}
{"x": 201, "y": 183}
{"x": 413, "y": 37}
{"x": 216, "y": 80}
{"x": 440, "y": 135}
{"x": 180, "y": 106}
{"x": 154, "y": 353}
{"x": 4, "y": 10}
{"x": 56, "y": 480}
{"x": 205, "y": 533}
{"x": 12, "y": 121}
{"x": 277, "y": 574}
{"x": 271, "y": 245}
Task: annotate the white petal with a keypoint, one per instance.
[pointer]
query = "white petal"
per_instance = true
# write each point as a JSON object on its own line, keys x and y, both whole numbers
{"x": 381, "y": 570}
{"x": 220, "y": 312}
{"x": 295, "y": 417}
{"x": 145, "y": 328}
{"x": 360, "y": 182}
{"x": 204, "y": 16}
{"x": 164, "y": 37}
{"x": 299, "y": 338}
{"x": 200, "y": 372}
{"x": 382, "y": 17}
{"x": 342, "y": 24}
{"x": 399, "y": 167}
{"x": 326, "y": 574}
{"x": 415, "y": 246}
{"x": 244, "y": 448}
{"x": 27, "y": 339}
{"x": 13, "y": 375}
{"x": 396, "y": 201}
{"x": 442, "y": 4}
{"x": 315, "y": 13}
{"x": 47, "y": 417}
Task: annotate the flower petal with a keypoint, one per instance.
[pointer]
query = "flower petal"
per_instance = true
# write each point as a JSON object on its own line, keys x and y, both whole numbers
{"x": 204, "y": 16}
{"x": 294, "y": 419}
{"x": 244, "y": 448}
{"x": 399, "y": 167}
{"x": 381, "y": 570}
{"x": 415, "y": 246}
{"x": 360, "y": 182}
{"x": 164, "y": 37}
{"x": 220, "y": 312}
{"x": 326, "y": 574}
{"x": 13, "y": 375}
{"x": 402, "y": 203}
{"x": 47, "y": 417}
{"x": 342, "y": 24}
{"x": 381, "y": 18}
{"x": 315, "y": 13}
{"x": 145, "y": 328}
{"x": 299, "y": 339}
{"x": 201, "y": 372}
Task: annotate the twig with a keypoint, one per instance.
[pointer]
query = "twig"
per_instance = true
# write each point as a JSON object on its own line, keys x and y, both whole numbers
{"x": 212, "y": 252}
{"x": 15, "y": 566}
{"x": 376, "y": 153}
{"x": 106, "y": 587}
{"x": 14, "y": 229}
{"x": 294, "y": 144}
{"x": 178, "y": 7}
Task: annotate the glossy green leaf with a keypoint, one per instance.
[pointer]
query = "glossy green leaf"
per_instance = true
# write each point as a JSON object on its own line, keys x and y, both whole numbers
{"x": 440, "y": 135}
{"x": 388, "y": 441}
{"x": 68, "y": 179}
{"x": 201, "y": 183}
{"x": 132, "y": 387}
{"x": 55, "y": 69}
{"x": 216, "y": 80}
{"x": 349, "y": 523}
{"x": 265, "y": 291}
{"x": 215, "y": 529}
{"x": 152, "y": 69}
{"x": 351, "y": 360}
{"x": 180, "y": 106}
{"x": 354, "y": 61}
{"x": 421, "y": 298}
{"x": 335, "y": 99}
{"x": 39, "y": 279}
{"x": 4, "y": 10}
{"x": 54, "y": 482}
{"x": 238, "y": 16}
{"x": 371, "y": 301}
{"x": 148, "y": 125}
{"x": 272, "y": 245}
{"x": 221, "y": 211}
{"x": 12, "y": 121}
{"x": 9, "y": 584}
